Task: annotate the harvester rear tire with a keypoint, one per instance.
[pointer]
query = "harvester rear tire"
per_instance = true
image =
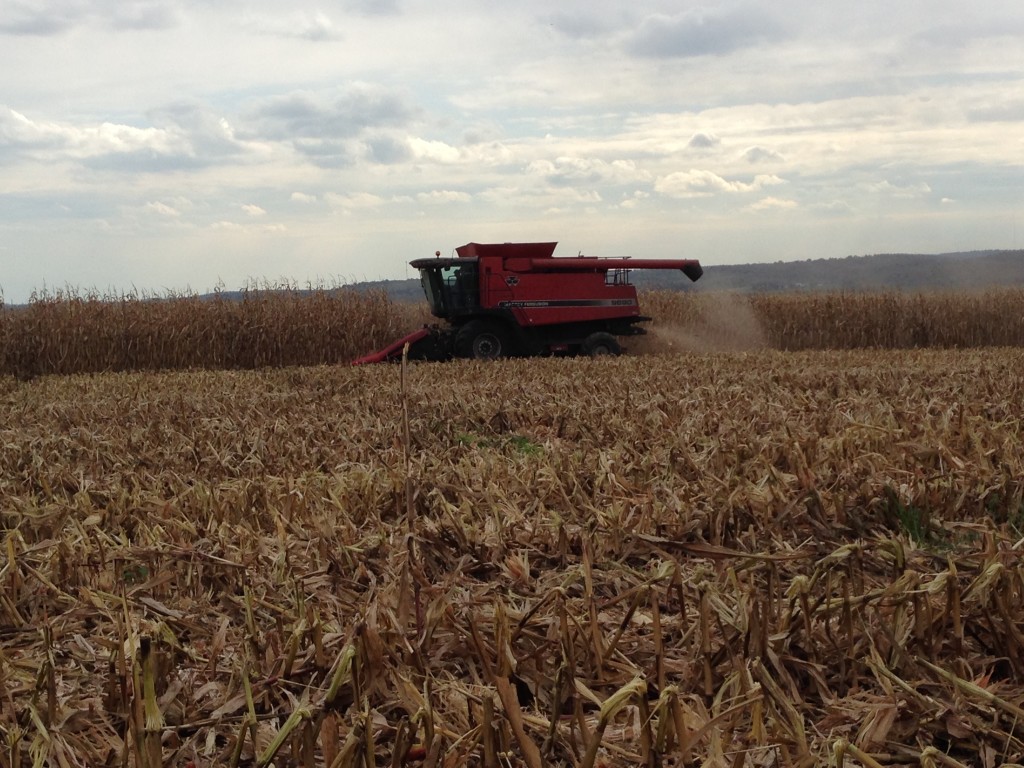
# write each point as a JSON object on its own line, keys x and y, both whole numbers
{"x": 600, "y": 344}
{"x": 481, "y": 340}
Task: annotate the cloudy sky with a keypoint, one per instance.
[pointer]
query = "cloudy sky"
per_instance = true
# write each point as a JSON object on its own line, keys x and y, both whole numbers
{"x": 181, "y": 144}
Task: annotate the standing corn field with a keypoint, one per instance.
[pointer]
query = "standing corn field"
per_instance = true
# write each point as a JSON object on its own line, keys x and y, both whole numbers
{"x": 70, "y": 333}
{"x": 846, "y": 320}
{"x": 67, "y": 333}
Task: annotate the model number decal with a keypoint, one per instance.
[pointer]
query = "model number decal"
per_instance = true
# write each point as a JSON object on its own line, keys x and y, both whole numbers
{"x": 568, "y": 303}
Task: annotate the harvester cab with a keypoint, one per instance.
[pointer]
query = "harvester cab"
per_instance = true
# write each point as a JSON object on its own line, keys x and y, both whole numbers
{"x": 518, "y": 299}
{"x": 452, "y": 286}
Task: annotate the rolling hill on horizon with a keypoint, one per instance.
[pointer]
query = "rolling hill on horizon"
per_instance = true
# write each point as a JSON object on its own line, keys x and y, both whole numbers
{"x": 973, "y": 270}
{"x": 908, "y": 272}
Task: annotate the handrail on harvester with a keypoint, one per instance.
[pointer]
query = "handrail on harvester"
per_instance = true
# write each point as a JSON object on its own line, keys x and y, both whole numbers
{"x": 597, "y": 263}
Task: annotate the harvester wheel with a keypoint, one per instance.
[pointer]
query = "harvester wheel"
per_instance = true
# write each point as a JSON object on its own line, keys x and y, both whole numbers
{"x": 599, "y": 344}
{"x": 481, "y": 340}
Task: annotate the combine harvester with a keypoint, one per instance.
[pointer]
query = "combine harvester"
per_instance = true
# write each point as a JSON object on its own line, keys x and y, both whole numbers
{"x": 518, "y": 300}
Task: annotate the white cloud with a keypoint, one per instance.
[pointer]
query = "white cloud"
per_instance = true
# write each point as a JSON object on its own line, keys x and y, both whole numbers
{"x": 315, "y": 27}
{"x": 16, "y": 130}
{"x": 439, "y": 196}
{"x": 200, "y": 140}
{"x": 899, "y": 190}
{"x": 253, "y": 210}
{"x": 587, "y": 170}
{"x": 838, "y": 207}
{"x": 699, "y": 183}
{"x": 357, "y": 200}
{"x": 434, "y": 151}
{"x": 762, "y": 155}
{"x": 634, "y": 199}
{"x": 543, "y": 198}
{"x": 163, "y": 209}
{"x": 773, "y": 203}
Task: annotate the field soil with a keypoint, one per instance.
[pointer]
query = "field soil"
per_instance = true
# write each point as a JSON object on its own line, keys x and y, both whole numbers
{"x": 741, "y": 558}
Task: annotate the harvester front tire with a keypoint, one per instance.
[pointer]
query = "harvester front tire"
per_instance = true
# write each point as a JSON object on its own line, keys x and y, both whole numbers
{"x": 480, "y": 340}
{"x": 600, "y": 344}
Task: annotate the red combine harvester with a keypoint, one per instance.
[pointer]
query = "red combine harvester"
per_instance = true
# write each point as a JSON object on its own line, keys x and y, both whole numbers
{"x": 517, "y": 299}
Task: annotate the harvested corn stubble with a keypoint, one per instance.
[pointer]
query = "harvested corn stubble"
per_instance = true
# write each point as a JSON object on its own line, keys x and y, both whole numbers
{"x": 747, "y": 559}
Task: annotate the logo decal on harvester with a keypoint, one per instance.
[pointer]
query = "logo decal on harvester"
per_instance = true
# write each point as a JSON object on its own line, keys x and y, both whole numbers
{"x": 511, "y": 280}
{"x": 567, "y": 303}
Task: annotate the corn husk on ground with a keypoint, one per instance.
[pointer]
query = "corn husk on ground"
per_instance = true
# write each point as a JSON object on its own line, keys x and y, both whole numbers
{"x": 738, "y": 559}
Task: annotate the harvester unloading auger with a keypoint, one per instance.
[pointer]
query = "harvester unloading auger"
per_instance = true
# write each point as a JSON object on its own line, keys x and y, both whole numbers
{"x": 519, "y": 300}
